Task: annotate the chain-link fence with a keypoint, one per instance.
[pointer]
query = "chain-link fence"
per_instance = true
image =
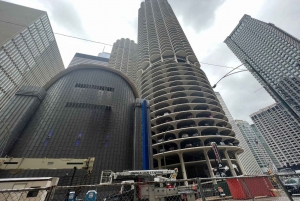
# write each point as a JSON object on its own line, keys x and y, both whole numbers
{"x": 265, "y": 188}
{"x": 28, "y": 194}
{"x": 156, "y": 191}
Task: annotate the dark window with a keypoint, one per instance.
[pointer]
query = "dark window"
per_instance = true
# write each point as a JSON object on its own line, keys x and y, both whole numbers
{"x": 89, "y": 86}
{"x": 88, "y": 105}
{"x": 33, "y": 193}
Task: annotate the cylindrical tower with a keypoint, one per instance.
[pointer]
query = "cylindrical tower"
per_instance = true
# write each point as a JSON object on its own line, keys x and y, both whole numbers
{"x": 160, "y": 36}
{"x": 186, "y": 116}
{"x": 124, "y": 57}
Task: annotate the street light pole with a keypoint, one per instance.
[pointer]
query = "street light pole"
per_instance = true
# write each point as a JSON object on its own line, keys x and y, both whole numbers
{"x": 229, "y": 73}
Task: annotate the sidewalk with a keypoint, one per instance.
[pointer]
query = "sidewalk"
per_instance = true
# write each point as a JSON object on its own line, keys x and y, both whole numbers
{"x": 229, "y": 198}
{"x": 216, "y": 198}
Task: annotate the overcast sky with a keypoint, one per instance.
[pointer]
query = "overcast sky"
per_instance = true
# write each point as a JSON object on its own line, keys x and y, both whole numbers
{"x": 205, "y": 22}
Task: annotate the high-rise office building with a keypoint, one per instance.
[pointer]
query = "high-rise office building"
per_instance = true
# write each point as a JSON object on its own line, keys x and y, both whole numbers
{"x": 80, "y": 58}
{"x": 261, "y": 142}
{"x": 186, "y": 116}
{"x": 247, "y": 159}
{"x": 124, "y": 57}
{"x": 281, "y": 132}
{"x": 104, "y": 55}
{"x": 272, "y": 56}
{"x": 85, "y": 111}
{"x": 29, "y": 54}
{"x": 263, "y": 159}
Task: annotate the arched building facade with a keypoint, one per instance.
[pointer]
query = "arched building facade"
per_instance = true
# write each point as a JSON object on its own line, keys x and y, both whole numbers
{"x": 88, "y": 111}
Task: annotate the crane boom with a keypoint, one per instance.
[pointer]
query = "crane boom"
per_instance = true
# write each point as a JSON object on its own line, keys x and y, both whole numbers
{"x": 46, "y": 163}
{"x": 143, "y": 172}
{"x": 107, "y": 175}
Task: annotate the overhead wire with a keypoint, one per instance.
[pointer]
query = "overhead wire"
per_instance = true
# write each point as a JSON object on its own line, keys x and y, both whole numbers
{"x": 228, "y": 74}
{"x": 13, "y": 23}
{"x": 83, "y": 39}
{"x": 216, "y": 65}
{"x": 128, "y": 48}
{"x": 258, "y": 89}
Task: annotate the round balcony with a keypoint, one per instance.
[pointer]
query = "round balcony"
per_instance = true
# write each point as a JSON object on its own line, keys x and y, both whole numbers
{"x": 186, "y": 117}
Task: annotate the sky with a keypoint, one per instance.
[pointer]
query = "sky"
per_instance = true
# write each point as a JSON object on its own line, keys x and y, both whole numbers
{"x": 206, "y": 24}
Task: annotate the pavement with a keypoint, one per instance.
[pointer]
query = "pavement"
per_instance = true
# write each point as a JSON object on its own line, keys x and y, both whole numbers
{"x": 216, "y": 198}
{"x": 229, "y": 198}
{"x": 273, "y": 199}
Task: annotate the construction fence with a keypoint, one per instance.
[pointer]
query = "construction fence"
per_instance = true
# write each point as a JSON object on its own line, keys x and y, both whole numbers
{"x": 263, "y": 188}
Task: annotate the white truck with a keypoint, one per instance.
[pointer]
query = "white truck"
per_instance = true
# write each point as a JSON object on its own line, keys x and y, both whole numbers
{"x": 161, "y": 188}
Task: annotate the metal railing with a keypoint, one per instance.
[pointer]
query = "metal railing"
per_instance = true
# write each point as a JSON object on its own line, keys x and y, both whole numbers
{"x": 265, "y": 188}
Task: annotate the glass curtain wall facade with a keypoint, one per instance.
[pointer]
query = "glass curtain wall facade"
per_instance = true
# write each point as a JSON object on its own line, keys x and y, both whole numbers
{"x": 262, "y": 143}
{"x": 248, "y": 161}
{"x": 258, "y": 151}
{"x": 186, "y": 115}
{"x": 29, "y": 54}
{"x": 274, "y": 56}
{"x": 280, "y": 132}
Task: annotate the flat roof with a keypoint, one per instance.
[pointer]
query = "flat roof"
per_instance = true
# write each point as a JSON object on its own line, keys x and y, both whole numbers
{"x": 86, "y": 56}
{"x": 14, "y": 19}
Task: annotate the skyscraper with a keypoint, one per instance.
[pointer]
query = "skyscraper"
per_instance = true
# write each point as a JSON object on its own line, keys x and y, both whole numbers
{"x": 263, "y": 159}
{"x": 160, "y": 36}
{"x": 28, "y": 51}
{"x": 272, "y": 56}
{"x": 261, "y": 142}
{"x": 281, "y": 132}
{"x": 80, "y": 58}
{"x": 123, "y": 57}
{"x": 186, "y": 116}
{"x": 104, "y": 55}
{"x": 248, "y": 161}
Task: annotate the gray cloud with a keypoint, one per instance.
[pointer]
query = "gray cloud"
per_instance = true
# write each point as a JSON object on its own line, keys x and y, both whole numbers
{"x": 238, "y": 90}
{"x": 64, "y": 13}
{"x": 134, "y": 26}
{"x": 240, "y": 96}
{"x": 199, "y": 14}
{"x": 284, "y": 14}
{"x": 222, "y": 55}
